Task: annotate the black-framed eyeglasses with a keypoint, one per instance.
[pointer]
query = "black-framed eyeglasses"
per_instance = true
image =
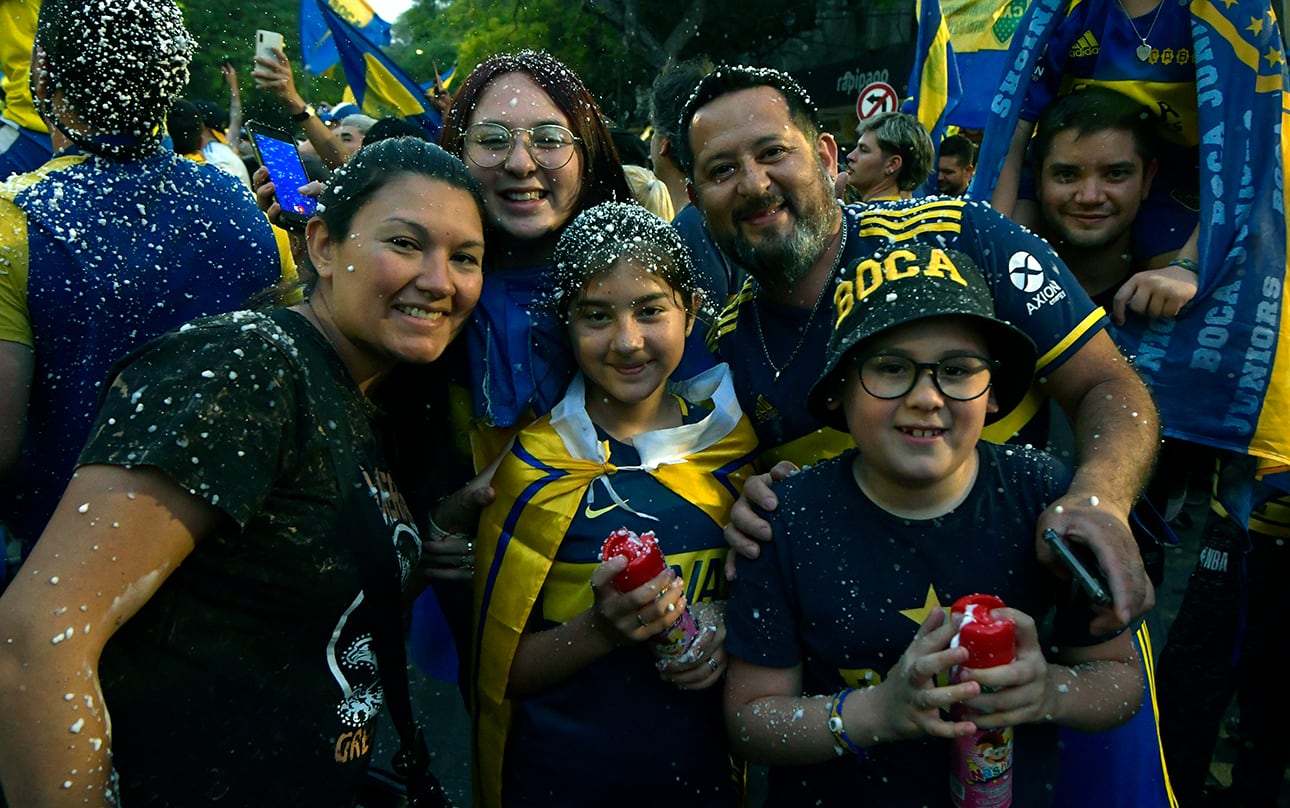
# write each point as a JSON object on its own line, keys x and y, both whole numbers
{"x": 488, "y": 145}
{"x": 961, "y": 378}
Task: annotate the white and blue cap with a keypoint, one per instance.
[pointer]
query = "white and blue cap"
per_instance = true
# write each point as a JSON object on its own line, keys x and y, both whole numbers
{"x": 907, "y": 283}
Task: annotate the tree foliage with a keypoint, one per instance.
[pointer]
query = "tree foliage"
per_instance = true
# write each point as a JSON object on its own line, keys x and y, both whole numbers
{"x": 466, "y": 32}
{"x": 619, "y": 46}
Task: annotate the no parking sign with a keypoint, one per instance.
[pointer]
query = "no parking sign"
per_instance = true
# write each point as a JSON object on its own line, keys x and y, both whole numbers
{"x": 875, "y": 98}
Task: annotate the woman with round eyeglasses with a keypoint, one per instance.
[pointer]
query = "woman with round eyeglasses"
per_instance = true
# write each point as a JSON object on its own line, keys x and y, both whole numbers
{"x": 532, "y": 134}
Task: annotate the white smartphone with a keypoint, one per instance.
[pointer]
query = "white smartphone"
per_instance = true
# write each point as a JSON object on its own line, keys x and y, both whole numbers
{"x": 265, "y": 42}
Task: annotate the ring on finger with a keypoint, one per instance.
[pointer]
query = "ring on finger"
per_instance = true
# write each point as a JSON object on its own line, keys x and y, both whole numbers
{"x": 712, "y": 663}
{"x": 639, "y": 621}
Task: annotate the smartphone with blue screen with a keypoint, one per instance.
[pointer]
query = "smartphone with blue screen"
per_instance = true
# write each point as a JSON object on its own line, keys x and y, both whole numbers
{"x": 277, "y": 152}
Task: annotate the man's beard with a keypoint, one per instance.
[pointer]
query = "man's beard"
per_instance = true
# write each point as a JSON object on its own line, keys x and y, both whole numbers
{"x": 780, "y": 262}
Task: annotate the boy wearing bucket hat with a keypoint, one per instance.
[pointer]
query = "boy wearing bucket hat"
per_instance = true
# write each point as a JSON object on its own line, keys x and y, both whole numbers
{"x": 869, "y": 545}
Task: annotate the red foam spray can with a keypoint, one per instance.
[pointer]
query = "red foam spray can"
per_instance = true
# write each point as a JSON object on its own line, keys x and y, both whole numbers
{"x": 981, "y": 766}
{"x": 645, "y": 561}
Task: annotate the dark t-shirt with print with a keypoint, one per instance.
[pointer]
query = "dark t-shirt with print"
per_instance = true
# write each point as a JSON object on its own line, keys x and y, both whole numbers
{"x": 249, "y": 678}
{"x": 842, "y": 590}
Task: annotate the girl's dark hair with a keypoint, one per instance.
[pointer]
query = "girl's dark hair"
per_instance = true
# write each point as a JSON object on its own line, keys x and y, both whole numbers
{"x": 376, "y": 165}
{"x": 609, "y": 232}
{"x": 119, "y": 64}
{"x": 602, "y": 170}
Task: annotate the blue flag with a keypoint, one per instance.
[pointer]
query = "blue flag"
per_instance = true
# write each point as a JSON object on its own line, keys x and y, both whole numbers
{"x": 1220, "y": 371}
{"x": 934, "y": 84}
{"x": 444, "y": 78}
{"x": 980, "y": 31}
{"x": 318, "y": 51}
{"x": 378, "y": 84}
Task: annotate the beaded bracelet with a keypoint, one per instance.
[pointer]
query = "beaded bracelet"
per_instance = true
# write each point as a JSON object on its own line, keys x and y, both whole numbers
{"x": 842, "y": 743}
{"x": 1185, "y": 263}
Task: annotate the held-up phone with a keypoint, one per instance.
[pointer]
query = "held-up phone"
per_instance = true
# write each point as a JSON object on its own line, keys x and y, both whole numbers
{"x": 277, "y": 151}
{"x": 1082, "y": 567}
{"x": 265, "y": 42}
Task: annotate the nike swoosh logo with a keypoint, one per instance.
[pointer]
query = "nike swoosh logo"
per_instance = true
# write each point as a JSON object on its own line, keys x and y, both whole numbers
{"x": 592, "y": 513}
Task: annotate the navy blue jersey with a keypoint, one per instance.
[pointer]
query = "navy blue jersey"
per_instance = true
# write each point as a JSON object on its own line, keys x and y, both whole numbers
{"x": 1096, "y": 44}
{"x": 842, "y": 590}
{"x": 1032, "y": 289}
{"x": 557, "y": 744}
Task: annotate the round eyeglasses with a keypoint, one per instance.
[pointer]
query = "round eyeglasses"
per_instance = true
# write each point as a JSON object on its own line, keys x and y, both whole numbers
{"x": 961, "y": 378}
{"x": 488, "y": 145}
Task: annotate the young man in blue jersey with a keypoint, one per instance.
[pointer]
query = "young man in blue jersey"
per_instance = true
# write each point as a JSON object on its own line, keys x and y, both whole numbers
{"x": 1094, "y": 165}
{"x": 1095, "y": 161}
{"x": 760, "y": 170}
{"x": 825, "y": 655}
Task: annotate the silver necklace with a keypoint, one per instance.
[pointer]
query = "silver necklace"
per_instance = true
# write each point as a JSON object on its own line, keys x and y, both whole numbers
{"x": 1143, "y": 50}
{"x": 806, "y": 328}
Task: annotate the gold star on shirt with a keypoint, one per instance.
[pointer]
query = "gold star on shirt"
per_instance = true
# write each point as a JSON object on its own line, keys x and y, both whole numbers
{"x": 1229, "y": 3}
{"x": 929, "y": 603}
{"x": 1256, "y": 26}
{"x": 1274, "y": 57}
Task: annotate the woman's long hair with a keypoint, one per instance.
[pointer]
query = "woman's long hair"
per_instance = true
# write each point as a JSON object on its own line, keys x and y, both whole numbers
{"x": 602, "y": 170}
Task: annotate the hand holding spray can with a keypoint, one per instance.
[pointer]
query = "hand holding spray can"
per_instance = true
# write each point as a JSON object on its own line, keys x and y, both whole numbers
{"x": 981, "y": 767}
{"x": 644, "y": 562}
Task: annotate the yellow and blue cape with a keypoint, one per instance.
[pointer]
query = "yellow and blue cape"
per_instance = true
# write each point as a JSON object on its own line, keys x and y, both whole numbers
{"x": 540, "y": 484}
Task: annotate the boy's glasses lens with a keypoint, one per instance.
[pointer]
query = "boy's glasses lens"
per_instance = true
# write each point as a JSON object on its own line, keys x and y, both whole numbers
{"x": 961, "y": 378}
{"x": 489, "y": 144}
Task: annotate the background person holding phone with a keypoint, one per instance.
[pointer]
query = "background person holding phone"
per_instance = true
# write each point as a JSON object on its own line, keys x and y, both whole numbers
{"x": 273, "y": 73}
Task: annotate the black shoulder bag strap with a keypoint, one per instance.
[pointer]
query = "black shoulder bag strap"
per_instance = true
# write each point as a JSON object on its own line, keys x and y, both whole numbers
{"x": 382, "y": 589}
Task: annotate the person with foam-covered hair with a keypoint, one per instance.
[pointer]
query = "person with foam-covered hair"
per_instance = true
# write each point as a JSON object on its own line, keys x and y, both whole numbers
{"x": 110, "y": 243}
{"x": 237, "y": 477}
{"x": 628, "y": 446}
{"x": 105, "y": 72}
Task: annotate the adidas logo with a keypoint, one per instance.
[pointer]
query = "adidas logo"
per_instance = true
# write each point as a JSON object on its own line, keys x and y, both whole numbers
{"x": 1086, "y": 45}
{"x": 764, "y": 411}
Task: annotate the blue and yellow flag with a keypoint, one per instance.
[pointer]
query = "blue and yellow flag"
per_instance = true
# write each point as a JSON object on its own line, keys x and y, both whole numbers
{"x": 980, "y": 32}
{"x": 379, "y": 86}
{"x": 444, "y": 78}
{"x": 934, "y": 84}
{"x": 1220, "y": 371}
{"x": 318, "y": 50}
